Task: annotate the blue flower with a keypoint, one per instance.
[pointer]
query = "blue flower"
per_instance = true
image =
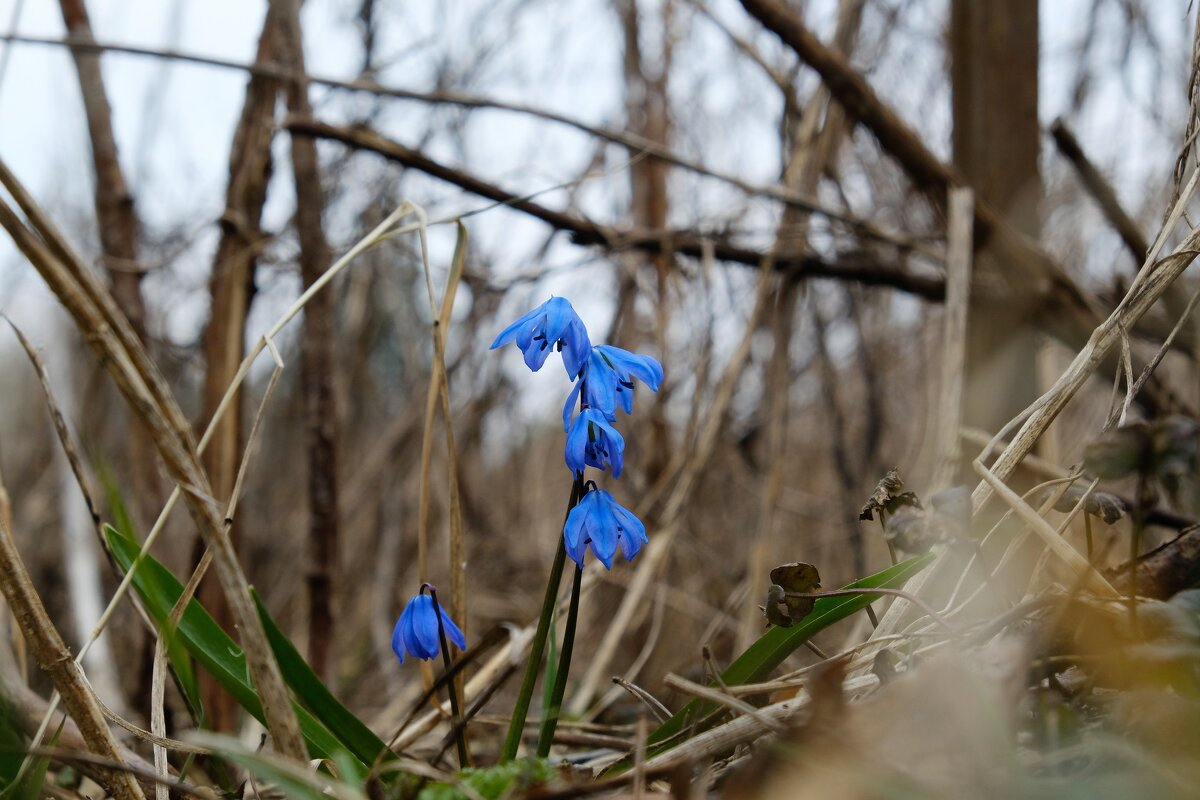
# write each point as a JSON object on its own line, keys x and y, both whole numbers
{"x": 607, "y": 381}
{"x": 416, "y": 632}
{"x": 600, "y": 521}
{"x": 552, "y": 324}
{"x": 591, "y": 441}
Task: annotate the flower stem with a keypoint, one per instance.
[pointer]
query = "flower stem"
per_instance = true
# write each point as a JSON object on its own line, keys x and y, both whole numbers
{"x": 550, "y": 721}
{"x": 516, "y": 726}
{"x": 464, "y": 759}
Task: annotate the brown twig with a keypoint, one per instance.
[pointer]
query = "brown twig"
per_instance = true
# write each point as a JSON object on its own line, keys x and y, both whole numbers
{"x": 633, "y": 143}
{"x": 1101, "y": 191}
{"x": 1064, "y": 309}
{"x": 316, "y": 352}
{"x": 859, "y": 268}
{"x": 231, "y": 287}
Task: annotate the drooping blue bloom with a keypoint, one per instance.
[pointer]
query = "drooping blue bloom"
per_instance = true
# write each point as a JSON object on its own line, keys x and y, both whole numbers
{"x": 607, "y": 380}
{"x": 553, "y": 324}
{"x": 416, "y": 632}
{"x": 592, "y": 442}
{"x": 598, "y": 520}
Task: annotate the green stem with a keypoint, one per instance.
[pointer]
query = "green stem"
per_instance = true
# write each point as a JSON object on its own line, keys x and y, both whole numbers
{"x": 550, "y": 722}
{"x": 516, "y": 726}
{"x": 464, "y": 760}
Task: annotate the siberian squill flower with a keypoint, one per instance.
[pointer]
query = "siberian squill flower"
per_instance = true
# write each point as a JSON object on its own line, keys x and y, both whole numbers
{"x": 598, "y": 520}
{"x": 607, "y": 381}
{"x": 592, "y": 442}
{"x": 553, "y": 324}
{"x": 416, "y": 632}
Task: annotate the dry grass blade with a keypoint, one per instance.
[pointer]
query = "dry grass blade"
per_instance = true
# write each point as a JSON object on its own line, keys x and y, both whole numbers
{"x": 722, "y": 698}
{"x": 60, "y": 426}
{"x": 1153, "y": 280}
{"x": 740, "y": 730}
{"x": 1054, "y": 541}
{"x": 52, "y": 656}
{"x": 960, "y": 236}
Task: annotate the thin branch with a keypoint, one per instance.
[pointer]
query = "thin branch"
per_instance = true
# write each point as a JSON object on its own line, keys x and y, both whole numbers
{"x": 635, "y": 144}
{"x": 317, "y": 360}
{"x": 1101, "y": 191}
{"x": 1063, "y": 308}
{"x": 586, "y": 232}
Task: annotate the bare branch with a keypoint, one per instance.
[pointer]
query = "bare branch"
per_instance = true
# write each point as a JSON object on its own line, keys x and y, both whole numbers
{"x": 585, "y": 232}
{"x": 316, "y": 352}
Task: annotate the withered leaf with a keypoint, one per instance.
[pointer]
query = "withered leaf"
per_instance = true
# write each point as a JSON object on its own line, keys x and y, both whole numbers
{"x": 1107, "y": 507}
{"x": 885, "y": 492}
{"x": 800, "y": 578}
{"x": 776, "y": 608}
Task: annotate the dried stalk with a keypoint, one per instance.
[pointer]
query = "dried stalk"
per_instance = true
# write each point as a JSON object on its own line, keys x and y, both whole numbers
{"x": 52, "y": 656}
{"x": 960, "y": 246}
{"x": 316, "y": 351}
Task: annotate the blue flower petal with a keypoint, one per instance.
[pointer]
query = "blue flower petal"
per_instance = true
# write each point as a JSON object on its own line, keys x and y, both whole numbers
{"x": 606, "y": 446}
{"x": 569, "y": 406}
{"x": 425, "y": 627}
{"x": 575, "y": 452}
{"x": 644, "y": 368}
{"x": 633, "y": 532}
{"x": 510, "y": 333}
{"x": 576, "y": 347}
{"x": 398, "y": 646}
{"x": 600, "y": 384}
{"x": 536, "y": 353}
{"x": 453, "y": 632}
{"x": 552, "y": 325}
{"x": 574, "y": 535}
{"x": 412, "y": 644}
{"x": 602, "y": 524}
{"x": 603, "y": 529}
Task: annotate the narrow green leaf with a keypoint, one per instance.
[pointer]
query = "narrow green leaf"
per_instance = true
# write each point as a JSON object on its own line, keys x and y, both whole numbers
{"x": 777, "y": 644}
{"x": 177, "y": 656}
{"x": 294, "y": 780}
{"x": 309, "y": 689}
{"x": 206, "y": 641}
{"x": 30, "y": 787}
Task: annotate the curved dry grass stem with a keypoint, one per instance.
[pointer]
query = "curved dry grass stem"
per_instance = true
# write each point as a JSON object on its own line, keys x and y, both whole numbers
{"x": 52, "y": 656}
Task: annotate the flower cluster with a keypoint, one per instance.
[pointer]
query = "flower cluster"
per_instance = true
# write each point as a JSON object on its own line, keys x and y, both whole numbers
{"x": 603, "y": 379}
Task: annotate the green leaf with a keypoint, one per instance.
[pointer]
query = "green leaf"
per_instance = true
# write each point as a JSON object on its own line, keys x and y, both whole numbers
{"x": 777, "y": 644}
{"x": 177, "y": 656}
{"x": 206, "y": 641}
{"x": 349, "y": 729}
{"x": 293, "y": 779}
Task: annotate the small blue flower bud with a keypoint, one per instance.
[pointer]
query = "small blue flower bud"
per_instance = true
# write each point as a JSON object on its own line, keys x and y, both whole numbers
{"x": 416, "y": 632}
